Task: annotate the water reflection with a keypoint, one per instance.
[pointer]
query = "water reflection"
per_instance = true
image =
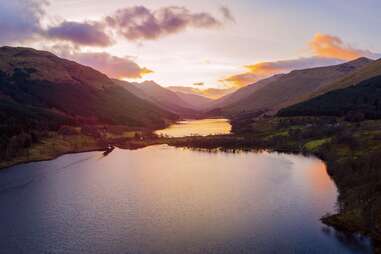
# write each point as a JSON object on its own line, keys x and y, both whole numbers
{"x": 202, "y": 127}
{"x": 167, "y": 200}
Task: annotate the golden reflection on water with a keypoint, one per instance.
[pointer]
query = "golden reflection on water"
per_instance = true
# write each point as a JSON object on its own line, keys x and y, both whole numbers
{"x": 189, "y": 199}
{"x": 202, "y": 127}
{"x": 169, "y": 200}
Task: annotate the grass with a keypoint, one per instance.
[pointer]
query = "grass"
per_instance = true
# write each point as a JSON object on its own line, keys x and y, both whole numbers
{"x": 126, "y": 134}
{"x": 315, "y": 144}
{"x": 52, "y": 147}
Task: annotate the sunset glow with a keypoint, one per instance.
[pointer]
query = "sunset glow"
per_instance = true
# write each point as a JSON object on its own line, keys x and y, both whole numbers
{"x": 221, "y": 45}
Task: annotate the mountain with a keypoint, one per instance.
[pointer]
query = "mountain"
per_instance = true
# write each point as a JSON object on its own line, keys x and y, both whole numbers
{"x": 210, "y": 93}
{"x": 160, "y": 96}
{"x": 242, "y": 93}
{"x": 355, "y": 102}
{"x": 133, "y": 89}
{"x": 41, "y": 85}
{"x": 280, "y": 91}
{"x": 197, "y": 102}
{"x": 368, "y": 71}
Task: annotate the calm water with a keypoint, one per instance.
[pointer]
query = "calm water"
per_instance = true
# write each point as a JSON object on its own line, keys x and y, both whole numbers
{"x": 170, "y": 200}
{"x": 197, "y": 127}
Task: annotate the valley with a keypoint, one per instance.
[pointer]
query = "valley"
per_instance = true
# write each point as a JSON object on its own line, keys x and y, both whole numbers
{"x": 331, "y": 112}
{"x": 190, "y": 127}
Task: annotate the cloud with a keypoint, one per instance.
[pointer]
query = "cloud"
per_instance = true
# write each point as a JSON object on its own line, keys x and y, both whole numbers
{"x": 227, "y": 14}
{"x": 263, "y": 70}
{"x": 326, "y": 45}
{"x": 87, "y": 34}
{"x": 20, "y": 19}
{"x": 327, "y": 50}
{"x": 212, "y": 93}
{"x": 240, "y": 80}
{"x": 112, "y": 66}
{"x": 199, "y": 84}
{"x": 141, "y": 23}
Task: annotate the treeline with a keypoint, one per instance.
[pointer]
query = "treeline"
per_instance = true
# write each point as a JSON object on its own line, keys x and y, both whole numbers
{"x": 22, "y": 126}
{"x": 30, "y": 109}
{"x": 110, "y": 105}
{"x": 355, "y": 103}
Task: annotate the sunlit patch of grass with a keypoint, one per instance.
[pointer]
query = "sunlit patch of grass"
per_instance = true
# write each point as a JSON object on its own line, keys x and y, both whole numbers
{"x": 126, "y": 134}
{"x": 315, "y": 144}
{"x": 53, "y": 146}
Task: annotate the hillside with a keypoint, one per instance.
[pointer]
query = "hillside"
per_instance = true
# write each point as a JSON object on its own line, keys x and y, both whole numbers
{"x": 366, "y": 72}
{"x": 161, "y": 97}
{"x": 284, "y": 90}
{"x": 197, "y": 102}
{"x": 47, "y": 83}
{"x": 242, "y": 93}
{"x": 358, "y": 102}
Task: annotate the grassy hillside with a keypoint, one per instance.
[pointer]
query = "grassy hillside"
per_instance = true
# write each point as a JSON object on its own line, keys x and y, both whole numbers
{"x": 40, "y": 93}
{"x": 40, "y": 79}
{"x": 288, "y": 89}
{"x": 368, "y": 71}
{"x": 362, "y": 101}
{"x": 242, "y": 94}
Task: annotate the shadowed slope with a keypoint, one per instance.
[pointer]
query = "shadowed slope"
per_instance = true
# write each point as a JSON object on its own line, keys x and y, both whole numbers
{"x": 42, "y": 80}
{"x": 281, "y": 91}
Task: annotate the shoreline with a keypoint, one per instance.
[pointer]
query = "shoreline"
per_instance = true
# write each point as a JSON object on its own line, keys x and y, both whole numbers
{"x": 13, "y": 164}
{"x": 343, "y": 221}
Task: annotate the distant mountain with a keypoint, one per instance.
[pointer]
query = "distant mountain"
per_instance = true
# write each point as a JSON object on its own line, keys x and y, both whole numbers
{"x": 160, "y": 96}
{"x": 197, "y": 102}
{"x": 211, "y": 93}
{"x": 242, "y": 93}
{"x": 280, "y": 91}
{"x": 133, "y": 89}
{"x": 42, "y": 86}
{"x": 355, "y": 102}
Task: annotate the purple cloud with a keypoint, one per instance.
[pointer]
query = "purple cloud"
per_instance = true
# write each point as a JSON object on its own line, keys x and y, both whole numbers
{"x": 227, "y": 14}
{"x": 140, "y": 23}
{"x": 20, "y": 19}
{"x": 89, "y": 34}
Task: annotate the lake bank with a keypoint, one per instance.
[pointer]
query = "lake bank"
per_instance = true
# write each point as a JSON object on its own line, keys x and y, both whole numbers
{"x": 96, "y": 138}
{"x": 352, "y": 152}
{"x": 344, "y": 156}
{"x": 226, "y": 202}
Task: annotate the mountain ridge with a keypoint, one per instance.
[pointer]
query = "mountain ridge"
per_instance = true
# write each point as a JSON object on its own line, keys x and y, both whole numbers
{"x": 284, "y": 90}
{"x": 161, "y": 97}
{"x": 42, "y": 80}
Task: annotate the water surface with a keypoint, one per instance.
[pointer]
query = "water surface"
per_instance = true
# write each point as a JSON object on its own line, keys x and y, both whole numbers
{"x": 169, "y": 200}
{"x": 202, "y": 127}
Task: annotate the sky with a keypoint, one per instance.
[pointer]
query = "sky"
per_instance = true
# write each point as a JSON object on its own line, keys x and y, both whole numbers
{"x": 206, "y": 47}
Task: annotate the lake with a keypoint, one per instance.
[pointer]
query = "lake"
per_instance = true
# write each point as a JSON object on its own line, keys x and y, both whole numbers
{"x": 202, "y": 127}
{"x": 161, "y": 199}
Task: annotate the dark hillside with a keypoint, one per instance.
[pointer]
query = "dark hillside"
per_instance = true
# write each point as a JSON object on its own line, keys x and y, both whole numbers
{"x": 360, "y": 101}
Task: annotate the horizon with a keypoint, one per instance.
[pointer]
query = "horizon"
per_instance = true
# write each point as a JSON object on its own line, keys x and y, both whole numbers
{"x": 207, "y": 47}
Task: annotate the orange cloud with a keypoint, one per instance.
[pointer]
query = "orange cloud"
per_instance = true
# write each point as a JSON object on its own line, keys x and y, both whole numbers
{"x": 240, "y": 80}
{"x": 263, "y": 70}
{"x": 255, "y": 72}
{"x": 326, "y": 45}
{"x": 327, "y": 50}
